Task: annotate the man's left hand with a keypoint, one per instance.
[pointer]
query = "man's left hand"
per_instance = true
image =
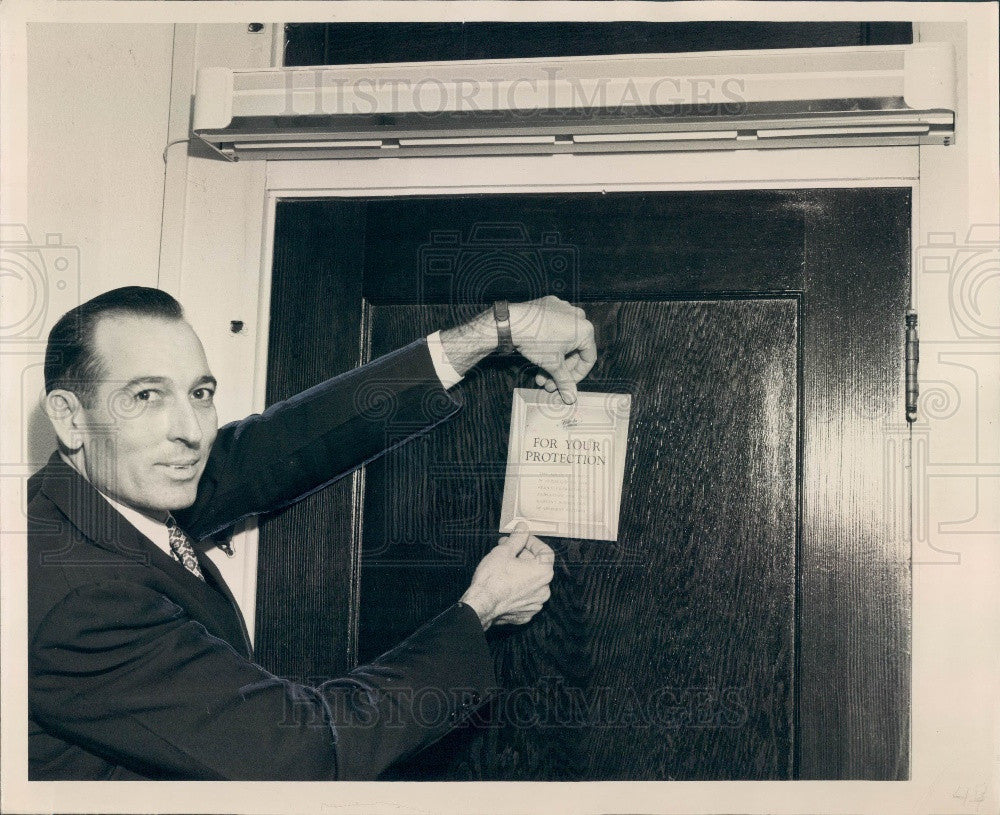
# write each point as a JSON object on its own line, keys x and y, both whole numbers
{"x": 553, "y": 334}
{"x": 557, "y": 337}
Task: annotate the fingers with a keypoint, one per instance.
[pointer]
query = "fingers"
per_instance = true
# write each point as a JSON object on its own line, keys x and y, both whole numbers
{"x": 517, "y": 539}
{"x": 539, "y": 549}
{"x": 513, "y": 619}
{"x": 584, "y": 349}
{"x": 584, "y": 357}
{"x": 576, "y": 365}
{"x": 587, "y": 348}
{"x": 528, "y": 608}
{"x": 518, "y": 617}
{"x": 524, "y": 613}
{"x": 519, "y": 610}
{"x": 511, "y": 583}
{"x": 544, "y": 382}
{"x": 564, "y": 382}
{"x": 563, "y": 371}
{"x": 528, "y": 547}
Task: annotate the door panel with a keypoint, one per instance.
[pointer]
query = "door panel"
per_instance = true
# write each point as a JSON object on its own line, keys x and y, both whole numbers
{"x": 752, "y": 620}
{"x": 666, "y": 654}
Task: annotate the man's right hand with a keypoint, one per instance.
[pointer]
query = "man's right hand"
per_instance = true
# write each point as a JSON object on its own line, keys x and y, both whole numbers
{"x": 511, "y": 584}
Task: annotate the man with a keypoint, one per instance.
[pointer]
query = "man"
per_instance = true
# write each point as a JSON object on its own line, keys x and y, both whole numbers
{"x": 139, "y": 662}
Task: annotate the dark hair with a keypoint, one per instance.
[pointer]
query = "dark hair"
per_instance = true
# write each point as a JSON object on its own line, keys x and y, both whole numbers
{"x": 71, "y": 362}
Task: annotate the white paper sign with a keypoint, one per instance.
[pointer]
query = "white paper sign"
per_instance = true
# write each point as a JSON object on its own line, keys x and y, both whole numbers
{"x": 566, "y": 463}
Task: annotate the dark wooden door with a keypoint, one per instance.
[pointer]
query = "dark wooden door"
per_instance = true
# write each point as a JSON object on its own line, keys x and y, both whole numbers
{"x": 666, "y": 654}
{"x": 752, "y": 619}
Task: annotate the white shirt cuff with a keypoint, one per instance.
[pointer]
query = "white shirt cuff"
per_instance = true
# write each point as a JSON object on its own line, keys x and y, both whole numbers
{"x": 443, "y": 368}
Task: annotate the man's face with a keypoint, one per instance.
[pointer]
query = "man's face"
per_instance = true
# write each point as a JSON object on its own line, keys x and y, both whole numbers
{"x": 152, "y": 420}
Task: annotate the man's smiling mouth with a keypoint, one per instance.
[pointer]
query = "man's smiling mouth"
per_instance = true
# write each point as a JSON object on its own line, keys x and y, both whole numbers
{"x": 184, "y": 468}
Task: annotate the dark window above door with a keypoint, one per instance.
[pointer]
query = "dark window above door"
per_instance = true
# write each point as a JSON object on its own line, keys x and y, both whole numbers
{"x": 358, "y": 43}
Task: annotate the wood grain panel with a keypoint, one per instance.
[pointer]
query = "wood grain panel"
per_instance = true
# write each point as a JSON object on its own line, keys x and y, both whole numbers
{"x": 628, "y": 246}
{"x": 856, "y": 596}
{"x": 669, "y": 653}
{"x": 305, "y": 563}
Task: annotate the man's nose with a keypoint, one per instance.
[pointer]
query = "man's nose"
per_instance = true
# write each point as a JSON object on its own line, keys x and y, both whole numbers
{"x": 184, "y": 425}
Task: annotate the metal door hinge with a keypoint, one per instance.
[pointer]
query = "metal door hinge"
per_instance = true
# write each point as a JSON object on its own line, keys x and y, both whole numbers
{"x": 912, "y": 359}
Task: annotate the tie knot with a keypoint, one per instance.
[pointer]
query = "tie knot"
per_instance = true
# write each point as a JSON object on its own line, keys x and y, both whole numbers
{"x": 182, "y": 550}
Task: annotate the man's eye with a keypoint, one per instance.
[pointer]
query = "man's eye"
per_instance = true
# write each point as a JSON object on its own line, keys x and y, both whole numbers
{"x": 203, "y": 394}
{"x": 148, "y": 395}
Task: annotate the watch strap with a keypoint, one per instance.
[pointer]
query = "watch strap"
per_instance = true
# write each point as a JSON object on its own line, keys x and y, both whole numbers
{"x": 505, "y": 340}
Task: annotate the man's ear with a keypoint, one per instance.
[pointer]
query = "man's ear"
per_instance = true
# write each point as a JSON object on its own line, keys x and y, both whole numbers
{"x": 65, "y": 411}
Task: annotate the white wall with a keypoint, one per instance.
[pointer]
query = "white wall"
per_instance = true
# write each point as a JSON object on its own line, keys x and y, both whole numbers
{"x": 104, "y": 102}
{"x": 955, "y": 468}
{"x": 97, "y": 122}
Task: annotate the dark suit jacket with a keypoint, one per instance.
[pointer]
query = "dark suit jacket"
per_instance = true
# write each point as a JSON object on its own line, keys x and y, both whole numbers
{"x": 140, "y": 670}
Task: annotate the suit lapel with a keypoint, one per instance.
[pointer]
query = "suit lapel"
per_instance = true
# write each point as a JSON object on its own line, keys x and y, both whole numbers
{"x": 215, "y": 578}
{"x": 105, "y": 527}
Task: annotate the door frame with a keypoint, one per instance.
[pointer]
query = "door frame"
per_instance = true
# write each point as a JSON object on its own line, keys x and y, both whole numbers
{"x": 834, "y": 168}
{"x": 230, "y": 212}
{"x": 847, "y": 168}
{"x": 225, "y": 228}
{"x": 228, "y": 222}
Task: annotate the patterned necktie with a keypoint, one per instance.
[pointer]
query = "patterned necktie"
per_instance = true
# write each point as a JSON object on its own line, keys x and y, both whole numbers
{"x": 183, "y": 551}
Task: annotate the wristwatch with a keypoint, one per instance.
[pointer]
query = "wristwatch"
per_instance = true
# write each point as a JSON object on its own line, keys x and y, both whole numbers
{"x": 501, "y": 313}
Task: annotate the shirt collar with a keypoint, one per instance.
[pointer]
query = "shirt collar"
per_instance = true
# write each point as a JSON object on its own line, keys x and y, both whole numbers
{"x": 156, "y": 531}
